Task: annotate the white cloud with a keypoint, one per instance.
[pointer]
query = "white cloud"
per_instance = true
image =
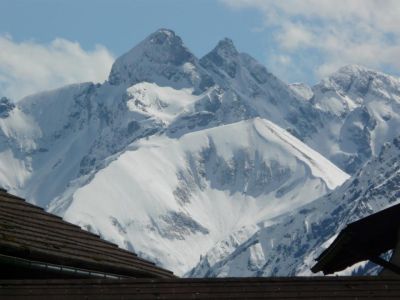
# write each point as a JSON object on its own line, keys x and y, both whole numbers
{"x": 335, "y": 32}
{"x": 28, "y": 67}
{"x": 294, "y": 36}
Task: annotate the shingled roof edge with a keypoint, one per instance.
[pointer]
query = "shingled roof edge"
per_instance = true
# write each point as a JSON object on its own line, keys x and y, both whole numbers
{"x": 139, "y": 266}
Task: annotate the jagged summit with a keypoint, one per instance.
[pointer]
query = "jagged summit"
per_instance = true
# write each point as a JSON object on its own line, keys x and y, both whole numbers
{"x": 344, "y": 77}
{"x": 226, "y": 48}
{"x": 164, "y": 37}
{"x": 169, "y": 33}
{"x": 161, "y": 54}
{"x": 224, "y": 57}
{"x": 360, "y": 81}
{"x": 353, "y": 71}
{"x": 227, "y": 64}
{"x": 358, "y": 70}
{"x": 354, "y": 68}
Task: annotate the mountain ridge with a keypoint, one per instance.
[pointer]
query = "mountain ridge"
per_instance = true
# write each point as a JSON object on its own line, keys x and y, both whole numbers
{"x": 56, "y": 146}
{"x": 300, "y": 236}
{"x": 196, "y": 179}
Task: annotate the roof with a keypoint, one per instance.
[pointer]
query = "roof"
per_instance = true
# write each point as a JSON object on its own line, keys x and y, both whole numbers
{"x": 362, "y": 240}
{"x": 221, "y": 288}
{"x": 27, "y": 232}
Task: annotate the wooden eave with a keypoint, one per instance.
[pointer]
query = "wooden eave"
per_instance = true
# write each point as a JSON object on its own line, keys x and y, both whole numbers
{"x": 28, "y": 232}
{"x": 365, "y": 239}
{"x": 206, "y": 288}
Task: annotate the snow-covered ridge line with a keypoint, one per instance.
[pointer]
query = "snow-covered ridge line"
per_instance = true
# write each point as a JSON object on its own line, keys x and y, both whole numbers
{"x": 169, "y": 197}
{"x": 289, "y": 244}
{"x": 336, "y": 176}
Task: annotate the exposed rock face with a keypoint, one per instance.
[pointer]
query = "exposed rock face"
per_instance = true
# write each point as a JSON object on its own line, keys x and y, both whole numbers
{"x": 5, "y": 107}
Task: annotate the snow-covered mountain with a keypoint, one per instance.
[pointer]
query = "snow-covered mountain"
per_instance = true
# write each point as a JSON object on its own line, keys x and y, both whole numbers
{"x": 172, "y": 199}
{"x": 363, "y": 109}
{"x": 175, "y": 156}
{"x": 51, "y": 139}
{"x": 162, "y": 58}
{"x": 288, "y": 244}
{"x": 250, "y": 90}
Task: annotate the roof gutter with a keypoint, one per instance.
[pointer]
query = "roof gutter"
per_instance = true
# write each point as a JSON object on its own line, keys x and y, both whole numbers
{"x": 54, "y": 268}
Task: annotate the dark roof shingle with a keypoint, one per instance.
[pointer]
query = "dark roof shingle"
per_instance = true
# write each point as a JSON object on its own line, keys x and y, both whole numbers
{"x": 28, "y": 232}
{"x": 217, "y": 288}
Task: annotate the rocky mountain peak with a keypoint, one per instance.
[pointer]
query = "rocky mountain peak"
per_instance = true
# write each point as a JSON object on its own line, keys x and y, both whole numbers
{"x": 226, "y": 48}
{"x": 354, "y": 69}
{"x": 223, "y": 57}
{"x": 360, "y": 80}
{"x": 165, "y": 40}
{"x": 161, "y": 52}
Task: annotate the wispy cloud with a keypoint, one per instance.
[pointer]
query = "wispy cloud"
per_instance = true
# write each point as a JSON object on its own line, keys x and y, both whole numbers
{"x": 28, "y": 67}
{"x": 323, "y": 35}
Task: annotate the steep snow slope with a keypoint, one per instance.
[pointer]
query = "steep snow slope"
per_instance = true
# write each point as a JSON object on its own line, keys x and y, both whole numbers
{"x": 50, "y": 139}
{"x": 30, "y": 130}
{"x": 57, "y": 136}
{"x": 161, "y": 103}
{"x": 363, "y": 109}
{"x": 288, "y": 245}
{"x": 172, "y": 199}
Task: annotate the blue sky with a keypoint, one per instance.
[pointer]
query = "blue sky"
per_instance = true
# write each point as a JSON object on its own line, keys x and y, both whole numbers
{"x": 119, "y": 25}
{"x": 298, "y": 40}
